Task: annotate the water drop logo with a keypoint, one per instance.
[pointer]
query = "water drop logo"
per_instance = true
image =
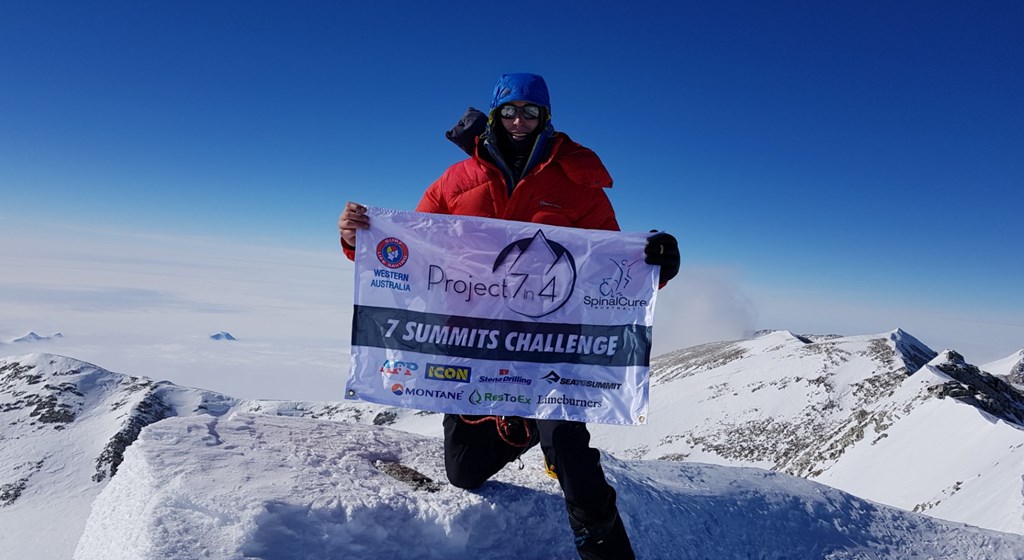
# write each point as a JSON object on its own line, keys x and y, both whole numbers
{"x": 540, "y": 275}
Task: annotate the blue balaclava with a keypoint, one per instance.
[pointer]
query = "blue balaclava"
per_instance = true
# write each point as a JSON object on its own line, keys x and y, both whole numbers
{"x": 521, "y": 87}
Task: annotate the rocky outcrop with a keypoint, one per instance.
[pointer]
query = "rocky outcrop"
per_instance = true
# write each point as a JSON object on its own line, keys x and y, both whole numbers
{"x": 980, "y": 389}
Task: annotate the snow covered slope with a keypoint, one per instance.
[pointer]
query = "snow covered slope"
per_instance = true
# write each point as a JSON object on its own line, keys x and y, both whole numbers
{"x": 1011, "y": 368}
{"x": 254, "y": 486}
{"x": 880, "y": 416}
{"x": 883, "y": 417}
{"x": 64, "y": 425}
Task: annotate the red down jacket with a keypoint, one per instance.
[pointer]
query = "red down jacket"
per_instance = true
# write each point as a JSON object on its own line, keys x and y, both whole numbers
{"x": 567, "y": 189}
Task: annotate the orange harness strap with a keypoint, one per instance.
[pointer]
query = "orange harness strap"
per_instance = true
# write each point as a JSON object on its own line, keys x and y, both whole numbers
{"x": 502, "y": 424}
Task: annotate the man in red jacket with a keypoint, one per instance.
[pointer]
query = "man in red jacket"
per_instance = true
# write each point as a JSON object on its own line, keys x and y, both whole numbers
{"x": 521, "y": 169}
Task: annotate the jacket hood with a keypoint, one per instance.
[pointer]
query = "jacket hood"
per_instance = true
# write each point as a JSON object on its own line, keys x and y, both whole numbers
{"x": 521, "y": 87}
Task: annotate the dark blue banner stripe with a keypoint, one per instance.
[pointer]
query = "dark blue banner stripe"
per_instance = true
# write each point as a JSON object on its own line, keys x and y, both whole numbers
{"x": 494, "y": 339}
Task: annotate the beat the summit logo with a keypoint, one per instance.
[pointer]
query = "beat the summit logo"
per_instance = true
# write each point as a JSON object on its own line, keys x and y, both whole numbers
{"x": 540, "y": 275}
{"x": 392, "y": 252}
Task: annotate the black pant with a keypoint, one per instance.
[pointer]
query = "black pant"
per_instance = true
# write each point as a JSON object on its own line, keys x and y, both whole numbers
{"x": 475, "y": 452}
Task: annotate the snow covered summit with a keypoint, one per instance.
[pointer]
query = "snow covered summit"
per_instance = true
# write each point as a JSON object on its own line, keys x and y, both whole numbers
{"x": 254, "y": 486}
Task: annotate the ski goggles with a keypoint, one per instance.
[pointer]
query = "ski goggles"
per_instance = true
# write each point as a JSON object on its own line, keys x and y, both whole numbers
{"x": 528, "y": 112}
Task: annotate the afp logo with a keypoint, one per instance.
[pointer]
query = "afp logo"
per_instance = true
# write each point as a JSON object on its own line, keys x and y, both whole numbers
{"x": 539, "y": 274}
{"x": 441, "y": 372}
{"x": 392, "y": 252}
{"x": 395, "y": 367}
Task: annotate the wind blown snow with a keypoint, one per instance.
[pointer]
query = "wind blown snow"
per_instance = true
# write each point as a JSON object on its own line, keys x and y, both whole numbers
{"x": 255, "y": 486}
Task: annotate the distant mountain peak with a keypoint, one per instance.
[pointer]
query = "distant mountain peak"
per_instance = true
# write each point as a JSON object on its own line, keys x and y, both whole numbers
{"x": 1016, "y": 374}
{"x": 222, "y": 335}
{"x": 914, "y": 353}
{"x": 31, "y": 336}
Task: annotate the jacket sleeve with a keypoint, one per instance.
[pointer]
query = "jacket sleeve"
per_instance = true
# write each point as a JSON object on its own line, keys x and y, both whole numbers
{"x": 349, "y": 250}
{"x": 607, "y": 214}
{"x": 433, "y": 200}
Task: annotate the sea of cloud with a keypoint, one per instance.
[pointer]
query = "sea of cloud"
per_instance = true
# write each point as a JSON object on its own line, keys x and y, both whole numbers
{"x": 146, "y": 304}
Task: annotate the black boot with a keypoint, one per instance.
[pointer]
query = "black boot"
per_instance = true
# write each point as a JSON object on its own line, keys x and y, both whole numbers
{"x": 602, "y": 541}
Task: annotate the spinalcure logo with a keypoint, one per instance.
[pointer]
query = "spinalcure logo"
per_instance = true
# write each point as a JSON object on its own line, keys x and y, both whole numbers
{"x": 533, "y": 276}
{"x": 614, "y": 288}
{"x": 392, "y": 252}
{"x": 556, "y": 379}
{"x": 444, "y": 372}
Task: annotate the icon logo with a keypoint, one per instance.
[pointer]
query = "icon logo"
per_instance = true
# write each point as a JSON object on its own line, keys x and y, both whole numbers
{"x": 398, "y": 389}
{"x": 475, "y": 397}
{"x": 395, "y": 367}
{"x": 441, "y": 372}
{"x": 540, "y": 275}
{"x": 503, "y": 372}
{"x": 392, "y": 252}
{"x": 551, "y": 377}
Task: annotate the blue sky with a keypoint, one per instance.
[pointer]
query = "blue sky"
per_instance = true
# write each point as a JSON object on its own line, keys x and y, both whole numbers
{"x": 864, "y": 153}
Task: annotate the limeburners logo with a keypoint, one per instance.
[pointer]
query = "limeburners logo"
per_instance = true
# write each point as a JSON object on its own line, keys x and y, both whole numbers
{"x": 539, "y": 274}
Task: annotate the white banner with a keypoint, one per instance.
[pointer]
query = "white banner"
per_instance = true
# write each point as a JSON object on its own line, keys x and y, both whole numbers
{"x": 481, "y": 316}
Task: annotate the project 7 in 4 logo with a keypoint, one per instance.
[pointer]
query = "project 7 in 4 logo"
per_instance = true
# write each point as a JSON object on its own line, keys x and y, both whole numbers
{"x": 540, "y": 275}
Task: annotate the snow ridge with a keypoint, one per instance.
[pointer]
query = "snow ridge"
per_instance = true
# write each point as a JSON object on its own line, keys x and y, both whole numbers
{"x": 866, "y": 414}
{"x": 170, "y": 472}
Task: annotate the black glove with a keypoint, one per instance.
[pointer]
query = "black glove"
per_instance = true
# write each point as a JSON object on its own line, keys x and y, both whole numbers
{"x": 663, "y": 250}
{"x": 472, "y": 124}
